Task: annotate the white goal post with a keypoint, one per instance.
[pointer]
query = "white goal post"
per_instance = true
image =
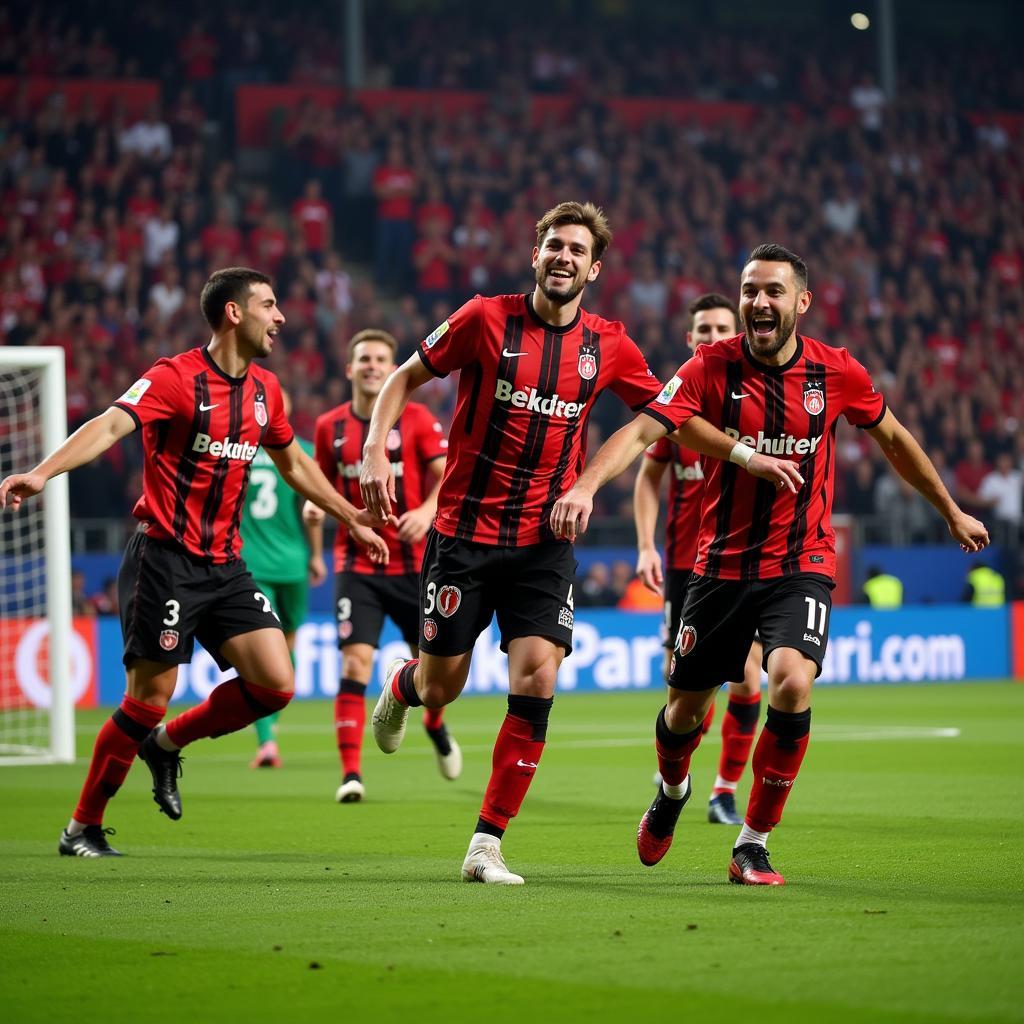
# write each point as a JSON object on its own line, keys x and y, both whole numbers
{"x": 37, "y": 706}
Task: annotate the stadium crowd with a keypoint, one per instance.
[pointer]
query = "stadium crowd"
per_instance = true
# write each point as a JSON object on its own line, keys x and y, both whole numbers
{"x": 910, "y": 216}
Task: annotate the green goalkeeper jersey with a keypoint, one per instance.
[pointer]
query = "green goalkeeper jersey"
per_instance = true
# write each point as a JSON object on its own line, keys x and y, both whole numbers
{"x": 273, "y": 541}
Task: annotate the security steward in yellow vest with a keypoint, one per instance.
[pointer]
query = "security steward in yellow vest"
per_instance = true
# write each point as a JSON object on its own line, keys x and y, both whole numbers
{"x": 882, "y": 590}
{"x": 985, "y": 587}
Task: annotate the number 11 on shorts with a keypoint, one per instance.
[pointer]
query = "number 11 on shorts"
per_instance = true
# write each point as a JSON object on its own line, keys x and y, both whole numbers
{"x": 822, "y": 611}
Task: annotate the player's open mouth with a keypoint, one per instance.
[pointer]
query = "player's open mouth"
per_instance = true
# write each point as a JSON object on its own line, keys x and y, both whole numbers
{"x": 763, "y": 325}
{"x": 565, "y": 275}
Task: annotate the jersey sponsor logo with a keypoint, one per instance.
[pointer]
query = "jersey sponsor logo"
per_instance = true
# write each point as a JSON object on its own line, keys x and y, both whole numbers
{"x": 134, "y": 394}
{"x": 737, "y": 397}
{"x": 814, "y": 397}
{"x": 226, "y": 449}
{"x": 448, "y": 600}
{"x": 511, "y": 355}
{"x": 668, "y": 391}
{"x": 169, "y": 639}
{"x": 534, "y": 401}
{"x": 691, "y": 472}
{"x": 351, "y": 470}
{"x": 784, "y": 444}
{"x": 435, "y": 335}
{"x": 393, "y": 440}
{"x": 587, "y": 362}
{"x": 203, "y": 407}
{"x": 429, "y": 629}
{"x": 686, "y": 640}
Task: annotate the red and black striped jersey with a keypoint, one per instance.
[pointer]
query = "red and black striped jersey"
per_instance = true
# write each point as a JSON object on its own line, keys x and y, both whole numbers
{"x": 685, "y": 490}
{"x": 749, "y": 529}
{"x": 518, "y": 438}
{"x": 201, "y": 430}
{"x": 416, "y": 440}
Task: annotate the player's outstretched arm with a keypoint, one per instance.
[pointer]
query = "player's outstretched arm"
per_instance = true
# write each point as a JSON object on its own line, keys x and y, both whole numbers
{"x": 376, "y": 480}
{"x": 697, "y": 433}
{"x": 302, "y": 474}
{"x": 570, "y": 515}
{"x": 908, "y": 458}
{"x": 91, "y": 439}
{"x": 645, "y": 513}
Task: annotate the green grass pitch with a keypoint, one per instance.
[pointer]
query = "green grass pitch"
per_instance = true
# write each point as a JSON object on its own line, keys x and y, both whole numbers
{"x": 269, "y": 902}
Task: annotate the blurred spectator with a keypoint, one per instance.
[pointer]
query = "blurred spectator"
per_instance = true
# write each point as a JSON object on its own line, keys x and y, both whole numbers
{"x": 80, "y": 603}
{"x": 596, "y": 590}
{"x": 1001, "y": 493}
{"x": 106, "y": 601}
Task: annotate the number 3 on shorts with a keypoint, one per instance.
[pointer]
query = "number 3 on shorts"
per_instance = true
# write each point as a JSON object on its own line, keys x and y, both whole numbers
{"x": 820, "y": 608}
{"x": 173, "y": 608}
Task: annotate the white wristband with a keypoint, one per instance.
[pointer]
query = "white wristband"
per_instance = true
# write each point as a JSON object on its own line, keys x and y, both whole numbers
{"x": 741, "y": 454}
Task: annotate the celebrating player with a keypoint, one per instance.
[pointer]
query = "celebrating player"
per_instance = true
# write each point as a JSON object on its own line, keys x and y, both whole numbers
{"x": 203, "y": 414}
{"x": 284, "y": 557}
{"x": 365, "y": 592}
{"x": 713, "y": 317}
{"x": 532, "y": 366}
{"x": 766, "y": 556}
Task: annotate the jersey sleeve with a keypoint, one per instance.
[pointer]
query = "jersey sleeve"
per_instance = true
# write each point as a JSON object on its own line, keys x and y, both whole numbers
{"x": 279, "y": 433}
{"x": 682, "y": 396}
{"x": 431, "y": 440}
{"x": 156, "y": 395}
{"x": 863, "y": 406}
{"x": 323, "y": 451}
{"x": 454, "y": 343}
{"x": 660, "y": 451}
{"x": 633, "y": 381}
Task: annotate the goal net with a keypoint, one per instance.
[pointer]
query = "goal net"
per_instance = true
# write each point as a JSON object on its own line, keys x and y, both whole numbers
{"x": 36, "y": 699}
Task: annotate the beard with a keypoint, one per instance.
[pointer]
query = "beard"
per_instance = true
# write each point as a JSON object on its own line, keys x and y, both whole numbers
{"x": 554, "y": 297}
{"x": 765, "y": 348}
{"x": 253, "y": 338}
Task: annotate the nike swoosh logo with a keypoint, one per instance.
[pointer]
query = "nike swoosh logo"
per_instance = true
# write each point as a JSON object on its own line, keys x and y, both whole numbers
{"x": 511, "y": 355}
{"x": 525, "y": 764}
{"x": 740, "y": 395}
{"x": 207, "y": 408}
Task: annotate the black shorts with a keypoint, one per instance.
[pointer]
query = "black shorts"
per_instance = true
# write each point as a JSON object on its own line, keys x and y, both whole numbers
{"x": 169, "y": 599}
{"x": 463, "y": 584}
{"x": 676, "y": 582}
{"x": 721, "y": 617}
{"x": 362, "y": 600}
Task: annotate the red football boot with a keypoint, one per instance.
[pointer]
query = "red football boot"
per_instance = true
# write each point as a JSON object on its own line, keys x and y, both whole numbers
{"x": 654, "y": 833}
{"x": 750, "y": 866}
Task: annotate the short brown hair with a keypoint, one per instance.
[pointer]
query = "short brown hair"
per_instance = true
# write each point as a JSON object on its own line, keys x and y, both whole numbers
{"x": 590, "y": 216}
{"x": 712, "y": 300}
{"x": 372, "y": 334}
{"x": 232, "y": 284}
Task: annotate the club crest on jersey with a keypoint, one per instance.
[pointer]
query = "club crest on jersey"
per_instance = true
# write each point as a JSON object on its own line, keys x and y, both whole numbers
{"x": 260, "y": 411}
{"x": 429, "y": 629}
{"x": 814, "y": 397}
{"x": 169, "y": 639}
{"x": 448, "y": 600}
{"x": 587, "y": 362}
{"x": 394, "y": 440}
{"x": 344, "y": 630}
{"x": 686, "y": 640}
